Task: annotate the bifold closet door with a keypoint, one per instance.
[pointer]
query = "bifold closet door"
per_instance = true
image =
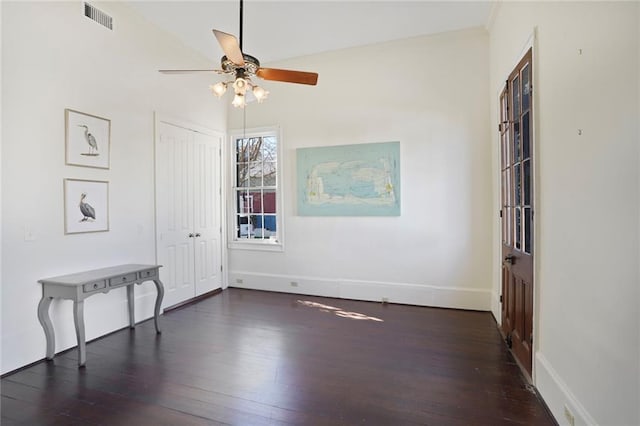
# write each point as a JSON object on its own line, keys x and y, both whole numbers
{"x": 187, "y": 212}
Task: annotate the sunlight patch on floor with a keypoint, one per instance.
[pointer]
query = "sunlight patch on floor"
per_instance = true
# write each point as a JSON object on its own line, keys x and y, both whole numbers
{"x": 338, "y": 311}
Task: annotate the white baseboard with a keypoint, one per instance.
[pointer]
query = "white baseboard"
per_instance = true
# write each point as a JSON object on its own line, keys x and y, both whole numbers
{"x": 412, "y": 294}
{"x": 557, "y": 394}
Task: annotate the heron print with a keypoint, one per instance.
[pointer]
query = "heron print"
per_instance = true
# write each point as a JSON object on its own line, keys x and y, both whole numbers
{"x": 87, "y": 140}
{"x": 91, "y": 141}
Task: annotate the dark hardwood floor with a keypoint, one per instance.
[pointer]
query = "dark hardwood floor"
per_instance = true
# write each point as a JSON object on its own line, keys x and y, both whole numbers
{"x": 248, "y": 357}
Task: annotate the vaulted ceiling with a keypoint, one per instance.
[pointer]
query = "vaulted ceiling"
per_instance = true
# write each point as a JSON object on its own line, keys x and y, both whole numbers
{"x": 275, "y": 30}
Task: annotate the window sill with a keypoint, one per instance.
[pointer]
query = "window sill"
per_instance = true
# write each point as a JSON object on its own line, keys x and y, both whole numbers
{"x": 256, "y": 245}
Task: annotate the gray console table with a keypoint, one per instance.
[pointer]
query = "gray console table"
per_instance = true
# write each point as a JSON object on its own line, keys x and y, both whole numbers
{"x": 78, "y": 287}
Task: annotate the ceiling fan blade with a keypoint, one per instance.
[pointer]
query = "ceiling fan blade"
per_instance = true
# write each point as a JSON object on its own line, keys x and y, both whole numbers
{"x": 289, "y": 76}
{"x": 230, "y": 47}
{"x": 189, "y": 71}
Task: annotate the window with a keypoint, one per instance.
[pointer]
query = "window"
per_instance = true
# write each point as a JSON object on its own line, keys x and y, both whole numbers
{"x": 256, "y": 213}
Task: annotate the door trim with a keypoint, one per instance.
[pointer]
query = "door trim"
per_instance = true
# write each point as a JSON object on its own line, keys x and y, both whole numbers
{"x": 189, "y": 125}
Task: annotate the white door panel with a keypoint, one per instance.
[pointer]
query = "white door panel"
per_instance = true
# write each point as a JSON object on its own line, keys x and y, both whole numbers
{"x": 207, "y": 213}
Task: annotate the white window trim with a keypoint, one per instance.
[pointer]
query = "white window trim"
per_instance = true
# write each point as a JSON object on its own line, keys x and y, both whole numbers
{"x": 254, "y": 244}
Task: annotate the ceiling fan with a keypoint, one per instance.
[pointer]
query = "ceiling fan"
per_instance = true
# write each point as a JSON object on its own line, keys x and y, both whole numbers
{"x": 242, "y": 67}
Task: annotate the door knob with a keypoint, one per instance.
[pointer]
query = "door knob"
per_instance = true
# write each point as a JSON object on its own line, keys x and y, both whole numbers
{"x": 197, "y": 234}
{"x": 510, "y": 259}
{"x": 190, "y": 235}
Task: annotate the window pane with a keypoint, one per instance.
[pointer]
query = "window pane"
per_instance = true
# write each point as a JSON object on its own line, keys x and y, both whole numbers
{"x": 526, "y": 87}
{"x": 526, "y": 171}
{"x": 269, "y": 171}
{"x": 242, "y": 174}
{"x": 518, "y": 228}
{"x": 244, "y": 202}
{"x": 269, "y": 200}
{"x": 507, "y": 148}
{"x": 269, "y": 149}
{"x": 255, "y": 174}
{"x": 256, "y": 201}
{"x": 525, "y": 136}
{"x": 241, "y": 150}
{"x": 270, "y": 222}
{"x": 528, "y": 231}
{"x": 516, "y": 142}
{"x": 516, "y": 187}
{"x": 242, "y": 226}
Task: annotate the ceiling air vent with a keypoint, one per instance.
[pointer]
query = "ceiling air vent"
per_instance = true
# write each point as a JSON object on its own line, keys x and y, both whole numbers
{"x": 99, "y": 16}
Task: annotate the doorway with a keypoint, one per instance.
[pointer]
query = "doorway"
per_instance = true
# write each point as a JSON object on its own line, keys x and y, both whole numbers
{"x": 188, "y": 211}
{"x": 517, "y": 211}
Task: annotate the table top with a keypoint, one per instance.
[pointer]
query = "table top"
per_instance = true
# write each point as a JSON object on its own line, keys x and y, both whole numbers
{"x": 96, "y": 274}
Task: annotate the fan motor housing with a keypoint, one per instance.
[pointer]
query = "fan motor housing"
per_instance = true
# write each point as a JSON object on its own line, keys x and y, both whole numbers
{"x": 251, "y": 64}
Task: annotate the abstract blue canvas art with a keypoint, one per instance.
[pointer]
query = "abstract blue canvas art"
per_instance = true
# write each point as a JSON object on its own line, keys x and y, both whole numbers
{"x": 349, "y": 180}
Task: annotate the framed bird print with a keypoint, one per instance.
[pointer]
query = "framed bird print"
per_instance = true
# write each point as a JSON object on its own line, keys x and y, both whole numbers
{"x": 86, "y": 206}
{"x": 87, "y": 139}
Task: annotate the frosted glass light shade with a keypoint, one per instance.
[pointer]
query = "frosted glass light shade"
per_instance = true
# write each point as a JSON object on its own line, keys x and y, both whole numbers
{"x": 218, "y": 89}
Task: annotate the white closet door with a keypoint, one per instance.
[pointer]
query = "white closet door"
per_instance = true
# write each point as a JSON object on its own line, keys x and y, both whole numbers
{"x": 207, "y": 225}
{"x": 174, "y": 212}
{"x": 188, "y": 205}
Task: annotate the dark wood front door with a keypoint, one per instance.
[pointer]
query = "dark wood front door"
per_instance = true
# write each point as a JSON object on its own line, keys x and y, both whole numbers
{"x": 516, "y": 143}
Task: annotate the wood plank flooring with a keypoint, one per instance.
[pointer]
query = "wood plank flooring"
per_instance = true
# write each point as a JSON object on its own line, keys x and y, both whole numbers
{"x": 248, "y": 357}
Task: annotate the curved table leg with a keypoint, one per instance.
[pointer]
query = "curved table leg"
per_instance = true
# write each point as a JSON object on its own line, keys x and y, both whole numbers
{"x": 131, "y": 301}
{"x": 159, "y": 297}
{"x": 78, "y": 318}
{"x": 45, "y": 321}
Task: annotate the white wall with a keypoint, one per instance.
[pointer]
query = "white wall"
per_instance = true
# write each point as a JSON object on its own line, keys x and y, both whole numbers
{"x": 54, "y": 58}
{"x": 587, "y": 240}
{"x": 429, "y": 93}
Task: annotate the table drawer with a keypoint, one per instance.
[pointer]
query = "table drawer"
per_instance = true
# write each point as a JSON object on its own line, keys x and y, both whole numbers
{"x": 149, "y": 274}
{"x": 88, "y": 288}
{"x": 123, "y": 279}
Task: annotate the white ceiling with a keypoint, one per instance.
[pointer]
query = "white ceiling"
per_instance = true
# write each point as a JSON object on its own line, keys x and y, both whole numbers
{"x": 275, "y": 30}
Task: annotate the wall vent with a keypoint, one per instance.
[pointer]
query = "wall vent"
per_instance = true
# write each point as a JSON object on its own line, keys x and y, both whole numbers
{"x": 99, "y": 16}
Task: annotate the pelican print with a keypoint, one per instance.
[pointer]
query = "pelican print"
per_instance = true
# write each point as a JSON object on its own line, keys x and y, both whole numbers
{"x": 91, "y": 140}
{"x": 87, "y": 211}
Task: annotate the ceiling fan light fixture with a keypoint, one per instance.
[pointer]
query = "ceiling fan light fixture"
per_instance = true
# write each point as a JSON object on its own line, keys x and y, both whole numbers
{"x": 260, "y": 93}
{"x": 219, "y": 89}
{"x": 238, "y": 101}
{"x": 240, "y": 86}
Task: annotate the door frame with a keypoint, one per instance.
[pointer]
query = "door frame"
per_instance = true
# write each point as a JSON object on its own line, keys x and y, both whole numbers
{"x": 530, "y": 44}
{"x": 186, "y": 124}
